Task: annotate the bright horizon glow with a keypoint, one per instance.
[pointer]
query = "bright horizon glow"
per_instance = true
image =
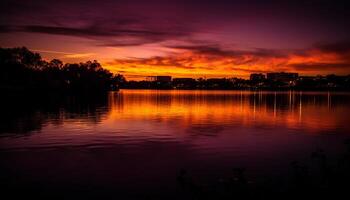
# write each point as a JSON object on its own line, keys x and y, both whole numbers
{"x": 193, "y": 64}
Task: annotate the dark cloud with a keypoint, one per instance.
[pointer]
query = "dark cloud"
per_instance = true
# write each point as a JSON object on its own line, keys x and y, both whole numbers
{"x": 207, "y": 49}
{"x": 336, "y": 47}
{"x": 109, "y": 23}
{"x": 249, "y": 70}
{"x": 321, "y": 17}
{"x": 83, "y": 32}
{"x": 158, "y": 61}
{"x": 339, "y": 48}
{"x": 212, "y": 57}
{"x": 5, "y": 29}
{"x": 216, "y": 50}
{"x": 319, "y": 66}
{"x": 104, "y": 35}
{"x": 94, "y": 31}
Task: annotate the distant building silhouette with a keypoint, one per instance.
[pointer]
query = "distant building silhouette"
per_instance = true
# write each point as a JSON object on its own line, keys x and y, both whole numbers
{"x": 183, "y": 80}
{"x": 282, "y": 76}
{"x": 257, "y": 77}
{"x": 156, "y": 82}
{"x": 159, "y": 78}
{"x": 309, "y": 78}
{"x": 184, "y": 83}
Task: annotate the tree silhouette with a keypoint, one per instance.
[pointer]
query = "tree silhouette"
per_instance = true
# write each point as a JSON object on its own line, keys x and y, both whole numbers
{"x": 23, "y": 69}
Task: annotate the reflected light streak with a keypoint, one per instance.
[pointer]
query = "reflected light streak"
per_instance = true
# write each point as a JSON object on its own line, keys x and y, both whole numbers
{"x": 227, "y": 108}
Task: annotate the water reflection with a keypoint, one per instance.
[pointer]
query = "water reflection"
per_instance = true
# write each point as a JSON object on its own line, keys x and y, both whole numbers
{"x": 137, "y": 140}
{"x": 193, "y": 112}
{"x": 24, "y": 114}
{"x": 205, "y": 111}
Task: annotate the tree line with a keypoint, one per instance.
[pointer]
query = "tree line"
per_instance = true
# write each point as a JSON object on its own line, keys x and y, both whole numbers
{"x": 24, "y": 70}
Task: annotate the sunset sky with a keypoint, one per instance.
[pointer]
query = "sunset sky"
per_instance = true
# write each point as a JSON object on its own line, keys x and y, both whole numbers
{"x": 185, "y": 38}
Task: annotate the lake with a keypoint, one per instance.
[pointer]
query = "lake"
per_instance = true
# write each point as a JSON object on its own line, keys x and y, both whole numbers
{"x": 135, "y": 142}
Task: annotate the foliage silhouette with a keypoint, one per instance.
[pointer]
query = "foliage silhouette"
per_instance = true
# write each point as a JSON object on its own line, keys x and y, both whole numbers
{"x": 23, "y": 70}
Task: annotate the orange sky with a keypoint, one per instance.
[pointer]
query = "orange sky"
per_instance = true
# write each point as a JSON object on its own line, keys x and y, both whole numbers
{"x": 209, "y": 62}
{"x": 196, "y": 61}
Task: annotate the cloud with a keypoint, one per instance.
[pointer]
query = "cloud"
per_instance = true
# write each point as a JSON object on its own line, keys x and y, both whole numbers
{"x": 317, "y": 66}
{"x": 216, "y": 50}
{"x": 5, "y": 29}
{"x": 107, "y": 23}
{"x": 213, "y": 61}
{"x": 198, "y": 33}
{"x": 103, "y": 34}
{"x": 92, "y": 31}
{"x": 65, "y": 54}
{"x": 79, "y": 55}
{"x": 336, "y": 47}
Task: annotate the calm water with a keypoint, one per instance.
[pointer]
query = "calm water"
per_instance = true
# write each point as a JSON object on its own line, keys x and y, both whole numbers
{"x": 138, "y": 140}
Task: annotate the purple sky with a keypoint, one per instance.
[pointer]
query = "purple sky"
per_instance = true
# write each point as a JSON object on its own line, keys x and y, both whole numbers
{"x": 121, "y": 32}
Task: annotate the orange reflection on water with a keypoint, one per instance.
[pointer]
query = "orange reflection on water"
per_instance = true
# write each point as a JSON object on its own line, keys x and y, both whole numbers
{"x": 312, "y": 111}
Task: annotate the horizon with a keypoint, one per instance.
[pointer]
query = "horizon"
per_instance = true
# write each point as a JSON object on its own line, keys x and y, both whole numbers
{"x": 144, "y": 78}
{"x": 193, "y": 39}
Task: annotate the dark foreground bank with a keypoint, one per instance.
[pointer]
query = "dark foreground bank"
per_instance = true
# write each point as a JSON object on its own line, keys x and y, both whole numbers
{"x": 324, "y": 178}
